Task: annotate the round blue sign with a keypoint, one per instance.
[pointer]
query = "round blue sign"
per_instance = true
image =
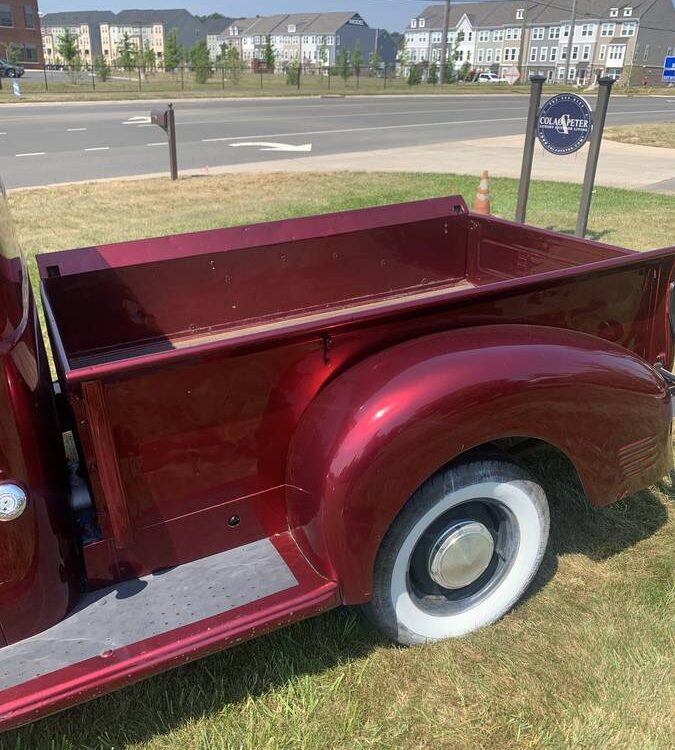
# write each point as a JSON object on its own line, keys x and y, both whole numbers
{"x": 564, "y": 124}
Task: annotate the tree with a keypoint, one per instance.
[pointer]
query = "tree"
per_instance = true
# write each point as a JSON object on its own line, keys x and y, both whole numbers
{"x": 13, "y": 53}
{"x": 357, "y": 57}
{"x": 342, "y": 64}
{"x": 293, "y": 73}
{"x": 173, "y": 52}
{"x": 376, "y": 59}
{"x": 323, "y": 50}
{"x": 269, "y": 54}
{"x": 415, "y": 75}
{"x": 149, "y": 57}
{"x": 432, "y": 75}
{"x": 101, "y": 68}
{"x": 127, "y": 54}
{"x": 201, "y": 61}
{"x": 403, "y": 59}
{"x": 67, "y": 47}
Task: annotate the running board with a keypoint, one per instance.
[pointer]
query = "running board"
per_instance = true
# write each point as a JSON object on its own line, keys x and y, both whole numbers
{"x": 119, "y": 635}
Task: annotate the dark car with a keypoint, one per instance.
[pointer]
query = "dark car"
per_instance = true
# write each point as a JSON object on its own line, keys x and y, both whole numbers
{"x": 10, "y": 70}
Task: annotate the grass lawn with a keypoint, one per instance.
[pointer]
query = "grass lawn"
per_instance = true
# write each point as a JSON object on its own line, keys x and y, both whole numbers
{"x": 586, "y": 661}
{"x": 661, "y": 134}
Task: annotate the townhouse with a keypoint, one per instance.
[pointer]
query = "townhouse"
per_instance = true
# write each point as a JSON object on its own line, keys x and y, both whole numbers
{"x": 102, "y": 32}
{"x": 225, "y": 32}
{"x": 625, "y": 41}
{"x": 20, "y": 37}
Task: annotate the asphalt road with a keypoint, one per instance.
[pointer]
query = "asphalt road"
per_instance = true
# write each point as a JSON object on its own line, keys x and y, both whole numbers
{"x": 46, "y": 144}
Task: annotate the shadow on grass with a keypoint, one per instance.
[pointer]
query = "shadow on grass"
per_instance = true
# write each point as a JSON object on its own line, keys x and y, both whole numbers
{"x": 206, "y": 688}
{"x": 596, "y": 236}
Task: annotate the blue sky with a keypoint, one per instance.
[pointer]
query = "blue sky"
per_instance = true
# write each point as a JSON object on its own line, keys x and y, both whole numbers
{"x": 389, "y": 14}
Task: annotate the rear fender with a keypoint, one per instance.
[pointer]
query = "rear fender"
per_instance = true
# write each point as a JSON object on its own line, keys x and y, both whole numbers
{"x": 371, "y": 437}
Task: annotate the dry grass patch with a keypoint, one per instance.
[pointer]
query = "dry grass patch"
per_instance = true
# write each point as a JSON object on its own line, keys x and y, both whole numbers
{"x": 660, "y": 134}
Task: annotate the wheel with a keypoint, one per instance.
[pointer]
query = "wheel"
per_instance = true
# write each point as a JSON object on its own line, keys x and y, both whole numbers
{"x": 11, "y": 73}
{"x": 460, "y": 553}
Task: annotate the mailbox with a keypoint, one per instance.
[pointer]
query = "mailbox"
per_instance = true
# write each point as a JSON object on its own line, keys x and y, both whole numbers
{"x": 160, "y": 117}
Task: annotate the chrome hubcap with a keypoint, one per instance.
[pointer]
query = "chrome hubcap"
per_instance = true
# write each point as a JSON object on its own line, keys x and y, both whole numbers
{"x": 461, "y": 555}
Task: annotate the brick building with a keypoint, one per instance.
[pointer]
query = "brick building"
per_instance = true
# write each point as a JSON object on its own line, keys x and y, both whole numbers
{"x": 20, "y": 37}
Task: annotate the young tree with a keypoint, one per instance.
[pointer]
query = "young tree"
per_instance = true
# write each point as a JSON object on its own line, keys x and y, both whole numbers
{"x": 293, "y": 73}
{"x": 67, "y": 47}
{"x": 342, "y": 63}
{"x": 269, "y": 54}
{"x": 101, "y": 68}
{"x": 323, "y": 50}
{"x": 376, "y": 59}
{"x": 13, "y": 53}
{"x": 415, "y": 75}
{"x": 357, "y": 58}
{"x": 432, "y": 74}
{"x": 127, "y": 53}
{"x": 233, "y": 62}
{"x": 173, "y": 52}
{"x": 403, "y": 58}
{"x": 200, "y": 59}
{"x": 149, "y": 57}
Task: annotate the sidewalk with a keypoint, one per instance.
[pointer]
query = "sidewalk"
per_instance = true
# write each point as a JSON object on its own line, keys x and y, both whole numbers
{"x": 621, "y": 164}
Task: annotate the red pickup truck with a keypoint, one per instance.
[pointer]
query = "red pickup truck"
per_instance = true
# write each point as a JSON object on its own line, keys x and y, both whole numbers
{"x": 268, "y": 421}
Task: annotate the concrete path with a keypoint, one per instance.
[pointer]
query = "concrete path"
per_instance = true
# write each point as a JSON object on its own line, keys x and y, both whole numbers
{"x": 621, "y": 165}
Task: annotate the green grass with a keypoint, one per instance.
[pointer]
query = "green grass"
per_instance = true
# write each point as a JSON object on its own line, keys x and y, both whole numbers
{"x": 584, "y": 662}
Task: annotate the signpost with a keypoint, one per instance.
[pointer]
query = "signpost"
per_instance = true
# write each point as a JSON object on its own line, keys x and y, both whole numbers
{"x": 669, "y": 69}
{"x": 563, "y": 125}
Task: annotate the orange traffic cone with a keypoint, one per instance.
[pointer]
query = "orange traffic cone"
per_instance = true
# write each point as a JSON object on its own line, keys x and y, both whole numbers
{"x": 481, "y": 203}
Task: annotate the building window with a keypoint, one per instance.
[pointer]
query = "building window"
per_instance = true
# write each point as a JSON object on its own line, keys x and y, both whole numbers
{"x": 29, "y": 16}
{"x": 538, "y": 33}
{"x": 628, "y": 12}
{"x": 575, "y": 52}
{"x": 572, "y": 75}
{"x": 543, "y": 54}
{"x": 587, "y": 29}
{"x": 520, "y": 14}
{"x": 513, "y": 33}
{"x": 436, "y": 37}
{"x": 554, "y": 32}
{"x": 616, "y": 51}
{"x": 483, "y": 36}
{"x": 291, "y": 28}
{"x": 603, "y": 52}
{"x": 488, "y": 55}
{"x": 554, "y": 54}
{"x": 481, "y": 55}
{"x": 561, "y": 73}
{"x": 628, "y": 29}
{"x": 586, "y": 52}
{"x": 6, "y": 16}
{"x": 613, "y": 12}
{"x": 498, "y": 55}
{"x": 533, "y": 54}
{"x": 499, "y": 35}
{"x": 566, "y": 31}
{"x": 422, "y": 23}
{"x": 607, "y": 29}
{"x": 413, "y": 23}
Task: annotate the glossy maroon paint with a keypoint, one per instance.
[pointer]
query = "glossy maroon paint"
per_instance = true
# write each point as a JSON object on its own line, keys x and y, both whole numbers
{"x": 307, "y": 375}
{"x": 36, "y": 550}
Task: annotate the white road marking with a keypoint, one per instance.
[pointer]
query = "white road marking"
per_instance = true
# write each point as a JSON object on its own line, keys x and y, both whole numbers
{"x": 75, "y": 130}
{"x": 98, "y": 148}
{"x": 3, "y": 133}
{"x": 139, "y": 120}
{"x": 361, "y": 130}
{"x": 269, "y": 146}
{"x": 147, "y": 125}
{"x": 34, "y": 153}
{"x": 159, "y": 143}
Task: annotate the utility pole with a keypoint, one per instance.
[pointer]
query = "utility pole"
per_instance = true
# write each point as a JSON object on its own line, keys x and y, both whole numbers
{"x": 569, "y": 41}
{"x": 444, "y": 43}
{"x": 523, "y": 48}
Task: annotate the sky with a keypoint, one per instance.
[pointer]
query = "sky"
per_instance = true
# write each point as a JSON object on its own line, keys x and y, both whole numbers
{"x": 392, "y": 15}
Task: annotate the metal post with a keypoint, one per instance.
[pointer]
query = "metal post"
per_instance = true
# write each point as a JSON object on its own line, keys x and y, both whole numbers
{"x": 222, "y": 69}
{"x": 44, "y": 70}
{"x": 261, "y": 78}
{"x": 93, "y": 79}
{"x": 299, "y": 74}
{"x": 537, "y": 83}
{"x": 569, "y": 41}
{"x": 604, "y": 91}
{"x": 385, "y": 75}
{"x": 139, "y": 77}
{"x": 444, "y": 43}
{"x": 523, "y": 49}
{"x": 173, "y": 158}
{"x": 182, "y": 81}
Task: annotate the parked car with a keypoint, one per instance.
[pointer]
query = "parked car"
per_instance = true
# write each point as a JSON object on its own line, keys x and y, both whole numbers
{"x": 11, "y": 70}
{"x": 490, "y": 78}
{"x": 277, "y": 419}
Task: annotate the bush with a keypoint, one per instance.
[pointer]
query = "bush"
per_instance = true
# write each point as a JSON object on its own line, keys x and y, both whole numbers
{"x": 432, "y": 75}
{"x": 293, "y": 73}
{"x": 414, "y": 75}
{"x": 101, "y": 68}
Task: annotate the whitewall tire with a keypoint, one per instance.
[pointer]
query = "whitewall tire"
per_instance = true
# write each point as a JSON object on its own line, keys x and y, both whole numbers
{"x": 460, "y": 553}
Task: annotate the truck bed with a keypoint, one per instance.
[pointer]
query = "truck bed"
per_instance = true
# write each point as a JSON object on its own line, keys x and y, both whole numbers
{"x": 114, "y": 303}
{"x": 189, "y": 360}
